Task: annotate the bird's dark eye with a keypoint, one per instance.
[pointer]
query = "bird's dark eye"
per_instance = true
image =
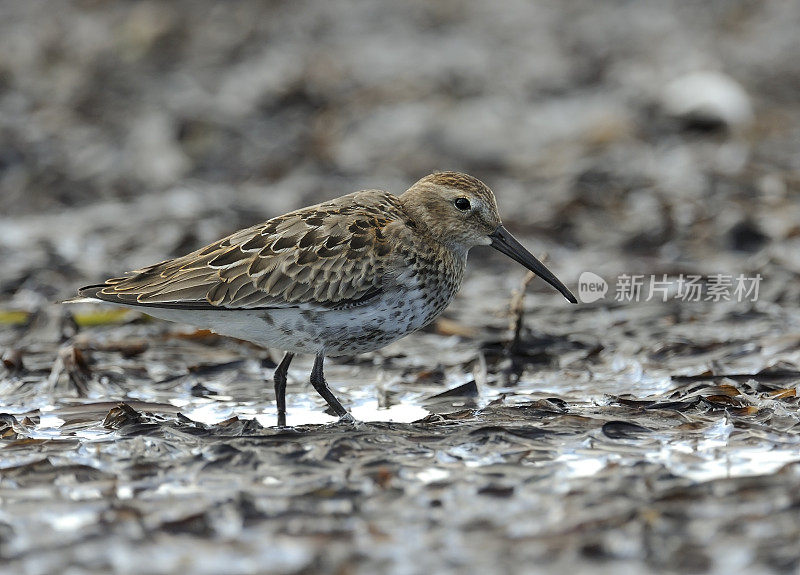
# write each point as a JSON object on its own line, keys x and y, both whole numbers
{"x": 462, "y": 204}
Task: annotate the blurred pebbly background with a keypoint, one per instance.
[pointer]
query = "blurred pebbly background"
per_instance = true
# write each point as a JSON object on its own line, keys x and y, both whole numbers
{"x": 134, "y": 131}
{"x": 652, "y": 137}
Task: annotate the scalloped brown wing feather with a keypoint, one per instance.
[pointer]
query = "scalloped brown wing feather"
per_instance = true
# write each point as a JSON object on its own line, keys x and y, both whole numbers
{"x": 329, "y": 255}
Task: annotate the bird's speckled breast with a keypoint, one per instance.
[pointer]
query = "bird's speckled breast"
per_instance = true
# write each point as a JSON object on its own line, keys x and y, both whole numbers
{"x": 422, "y": 285}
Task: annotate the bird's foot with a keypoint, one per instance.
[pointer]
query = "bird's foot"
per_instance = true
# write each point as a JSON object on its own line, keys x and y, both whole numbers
{"x": 349, "y": 420}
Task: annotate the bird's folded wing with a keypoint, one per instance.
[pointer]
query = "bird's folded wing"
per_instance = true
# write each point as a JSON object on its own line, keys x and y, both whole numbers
{"x": 325, "y": 256}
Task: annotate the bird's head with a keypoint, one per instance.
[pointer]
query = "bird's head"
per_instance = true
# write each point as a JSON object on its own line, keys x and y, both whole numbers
{"x": 460, "y": 212}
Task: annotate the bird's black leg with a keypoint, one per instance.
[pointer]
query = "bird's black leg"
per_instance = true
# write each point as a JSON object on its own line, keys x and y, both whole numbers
{"x": 280, "y": 387}
{"x": 318, "y": 381}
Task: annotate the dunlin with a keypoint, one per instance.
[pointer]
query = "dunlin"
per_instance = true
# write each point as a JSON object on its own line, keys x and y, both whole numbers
{"x": 338, "y": 278}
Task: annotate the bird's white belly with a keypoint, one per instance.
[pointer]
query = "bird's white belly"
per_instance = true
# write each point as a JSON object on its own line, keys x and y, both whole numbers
{"x": 357, "y": 329}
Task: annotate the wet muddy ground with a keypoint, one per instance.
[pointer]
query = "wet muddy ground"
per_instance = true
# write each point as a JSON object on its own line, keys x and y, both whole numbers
{"x": 514, "y": 435}
{"x": 143, "y": 448}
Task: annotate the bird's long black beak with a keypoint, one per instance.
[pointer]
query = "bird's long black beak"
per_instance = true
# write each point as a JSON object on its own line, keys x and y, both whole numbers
{"x": 504, "y": 242}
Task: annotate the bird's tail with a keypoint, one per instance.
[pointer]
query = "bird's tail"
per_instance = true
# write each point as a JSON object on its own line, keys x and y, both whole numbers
{"x": 80, "y": 299}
